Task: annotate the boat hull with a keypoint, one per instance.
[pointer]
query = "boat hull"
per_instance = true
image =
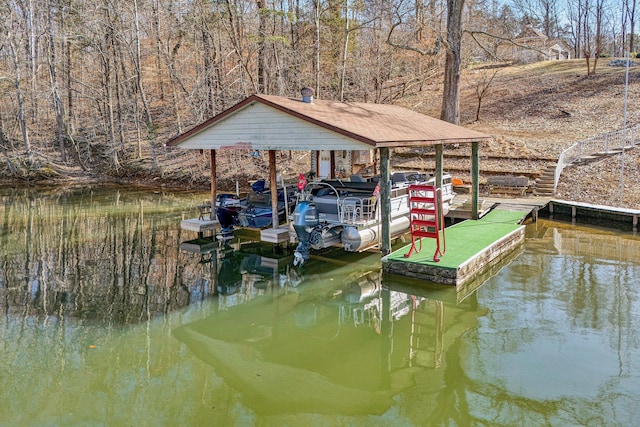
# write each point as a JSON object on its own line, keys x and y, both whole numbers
{"x": 325, "y": 236}
{"x": 356, "y": 239}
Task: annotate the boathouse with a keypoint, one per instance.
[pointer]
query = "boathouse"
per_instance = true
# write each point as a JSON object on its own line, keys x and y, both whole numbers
{"x": 271, "y": 123}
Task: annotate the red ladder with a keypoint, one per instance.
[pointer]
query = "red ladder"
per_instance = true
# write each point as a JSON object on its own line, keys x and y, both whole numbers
{"x": 426, "y": 218}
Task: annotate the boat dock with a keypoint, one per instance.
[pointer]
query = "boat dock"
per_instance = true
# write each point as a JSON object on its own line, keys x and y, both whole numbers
{"x": 471, "y": 248}
{"x": 624, "y": 219}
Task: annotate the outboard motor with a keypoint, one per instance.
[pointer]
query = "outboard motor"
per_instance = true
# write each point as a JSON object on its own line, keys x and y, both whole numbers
{"x": 304, "y": 219}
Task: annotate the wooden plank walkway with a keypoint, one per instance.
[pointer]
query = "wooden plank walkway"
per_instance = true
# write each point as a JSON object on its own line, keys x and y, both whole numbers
{"x": 461, "y": 208}
{"x": 471, "y": 248}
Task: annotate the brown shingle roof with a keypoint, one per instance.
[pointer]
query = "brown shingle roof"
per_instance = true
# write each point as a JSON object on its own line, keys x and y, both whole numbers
{"x": 379, "y": 125}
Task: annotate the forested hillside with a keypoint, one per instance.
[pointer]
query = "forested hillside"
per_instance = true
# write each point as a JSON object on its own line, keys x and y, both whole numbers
{"x": 98, "y": 88}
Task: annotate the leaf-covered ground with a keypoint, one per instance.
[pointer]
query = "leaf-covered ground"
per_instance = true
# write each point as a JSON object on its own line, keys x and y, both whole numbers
{"x": 536, "y": 111}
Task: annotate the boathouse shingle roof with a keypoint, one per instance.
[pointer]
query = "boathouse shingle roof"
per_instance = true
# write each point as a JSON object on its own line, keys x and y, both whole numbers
{"x": 276, "y": 122}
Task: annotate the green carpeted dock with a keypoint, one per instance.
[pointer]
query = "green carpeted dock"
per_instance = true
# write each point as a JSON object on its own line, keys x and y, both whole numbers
{"x": 471, "y": 247}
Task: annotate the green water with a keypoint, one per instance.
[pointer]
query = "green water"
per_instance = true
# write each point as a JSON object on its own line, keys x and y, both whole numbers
{"x": 108, "y": 320}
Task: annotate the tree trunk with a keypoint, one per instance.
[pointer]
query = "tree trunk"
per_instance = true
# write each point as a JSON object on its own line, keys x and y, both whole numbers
{"x": 138, "y": 60}
{"x": 55, "y": 94}
{"x": 208, "y": 81}
{"x": 451, "y": 96}
{"x": 598, "y": 12}
{"x": 345, "y": 47}
{"x": 632, "y": 25}
{"x": 118, "y": 62}
{"x": 262, "y": 51}
{"x": 4, "y": 144}
{"x": 32, "y": 57}
{"x": 172, "y": 84}
{"x": 69, "y": 67}
{"x": 316, "y": 47}
{"x": 156, "y": 29}
{"x": 21, "y": 115}
{"x": 106, "y": 58}
{"x": 143, "y": 97}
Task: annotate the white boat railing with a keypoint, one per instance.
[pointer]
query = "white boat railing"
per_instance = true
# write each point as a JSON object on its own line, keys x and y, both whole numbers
{"x": 357, "y": 210}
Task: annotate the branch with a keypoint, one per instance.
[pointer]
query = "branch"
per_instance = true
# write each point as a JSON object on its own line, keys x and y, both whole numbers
{"x": 433, "y": 51}
{"x": 363, "y": 25}
{"x": 506, "y": 39}
{"x": 486, "y": 50}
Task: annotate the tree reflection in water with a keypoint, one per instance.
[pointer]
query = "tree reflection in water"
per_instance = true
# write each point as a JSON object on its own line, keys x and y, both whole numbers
{"x": 104, "y": 256}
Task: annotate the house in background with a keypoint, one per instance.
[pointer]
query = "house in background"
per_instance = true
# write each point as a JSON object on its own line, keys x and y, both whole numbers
{"x": 532, "y": 45}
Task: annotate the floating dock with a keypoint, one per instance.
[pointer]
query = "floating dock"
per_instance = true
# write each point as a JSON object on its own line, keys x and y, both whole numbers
{"x": 471, "y": 248}
{"x": 606, "y": 216}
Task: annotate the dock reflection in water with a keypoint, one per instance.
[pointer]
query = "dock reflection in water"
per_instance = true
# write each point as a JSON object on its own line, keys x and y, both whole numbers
{"x": 329, "y": 339}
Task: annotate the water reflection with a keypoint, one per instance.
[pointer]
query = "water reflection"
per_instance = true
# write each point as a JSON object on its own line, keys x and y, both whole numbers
{"x": 568, "y": 354}
{"x": 98, "y": 256}
{"x": 101, "y": 302}
{"x": 546, "y": 341}
{"x": 330, "y": 341}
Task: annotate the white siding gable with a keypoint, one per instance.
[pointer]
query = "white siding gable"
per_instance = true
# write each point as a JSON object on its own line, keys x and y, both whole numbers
{"x": 260, "y": 127}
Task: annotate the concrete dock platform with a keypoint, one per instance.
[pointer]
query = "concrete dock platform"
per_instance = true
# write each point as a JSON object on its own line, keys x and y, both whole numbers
{"x": 471, "y": 248}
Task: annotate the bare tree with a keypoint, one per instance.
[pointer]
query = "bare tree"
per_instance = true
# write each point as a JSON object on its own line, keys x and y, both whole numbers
{"x": 236, "y": 30}
{"x": 29, "y": 35}
{"x": 593, "y": 13}
{"x": 450, "y": 111}
{"x": 137, "y": 60}
{"x": 348, "y": 29}
{"x": 629, "y": 12}
{"x": 5, "y": 144}
{"x": 576, "y": 18}
{"x": 20, "y": 98}
{"x": 599, "y": 17}
{"x": 53, "y": 76}
{"x": 262, "y": 60}
{"x": 482, "y": 87}
{"x": 316, "y": 46}
{"x": 542, "y": 13}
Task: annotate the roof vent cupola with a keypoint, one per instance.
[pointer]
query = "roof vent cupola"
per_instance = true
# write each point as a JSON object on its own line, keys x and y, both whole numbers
{"x": 307, "y": 95}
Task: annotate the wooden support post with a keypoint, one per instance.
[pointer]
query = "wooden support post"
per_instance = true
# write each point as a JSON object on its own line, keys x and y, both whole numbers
{"x": 475, "y": 180}
{"x": 386, "y": 338}
{"x": 376, "y": 163}
{"x": 439, "y": 168}
{"x": 385, "y": 201}
{"x": 332, "y": 164}
{"x": 273, "y": 183}
{"x": 214, "y": 185}
{"x": 315, "y": 163}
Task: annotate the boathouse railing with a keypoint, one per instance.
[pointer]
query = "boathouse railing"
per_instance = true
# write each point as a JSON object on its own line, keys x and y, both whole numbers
{"x": 603, "y": 144}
